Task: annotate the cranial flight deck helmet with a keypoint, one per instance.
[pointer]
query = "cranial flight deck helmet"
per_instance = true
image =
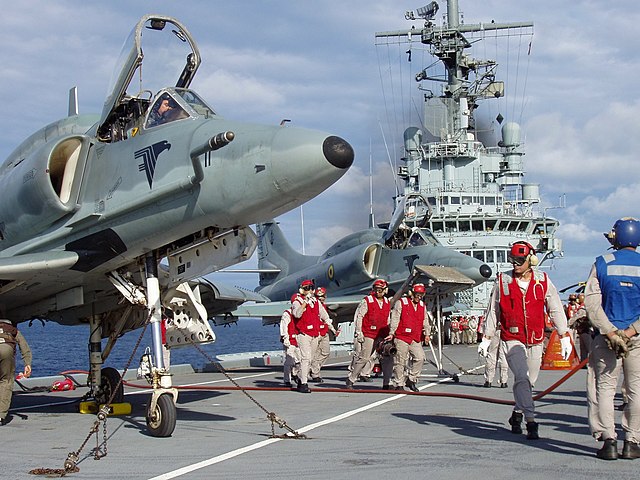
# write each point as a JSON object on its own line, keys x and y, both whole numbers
{"x": 418, "y": 288}
{"x": 521, "y": 252}
{"x": 380, "y": 284}
{"x": 624, "y": 233}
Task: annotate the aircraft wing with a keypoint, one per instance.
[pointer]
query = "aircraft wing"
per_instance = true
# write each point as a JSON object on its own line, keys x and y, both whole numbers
{"x": 341, "y": 308}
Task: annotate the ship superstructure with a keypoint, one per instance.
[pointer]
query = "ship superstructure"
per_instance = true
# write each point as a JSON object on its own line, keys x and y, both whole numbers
{"x": 478, "y": 200}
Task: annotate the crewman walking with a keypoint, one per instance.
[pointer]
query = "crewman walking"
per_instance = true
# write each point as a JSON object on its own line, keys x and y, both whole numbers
{"x": 410, "y": 323}
{"x": 288, "y": 333}
{"x": 308, "y": 312}
{"x": 612, "y": 300}
{"x": 496, "y": 361}
{"x": 324, "y": 345}
{"x": 371, "y": 323}
{"x": 9, "y": 338}
{"x": 522, "y": 329}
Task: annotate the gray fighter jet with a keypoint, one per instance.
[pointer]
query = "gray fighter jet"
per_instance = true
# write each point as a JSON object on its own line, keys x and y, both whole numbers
{"x": 91, "y": 206}
{"x": 349, "y": 267}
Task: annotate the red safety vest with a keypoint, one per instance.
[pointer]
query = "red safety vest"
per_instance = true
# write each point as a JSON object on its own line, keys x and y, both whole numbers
{"x": 411, "y": 321}
{"x": 291, "y": 328}
{"x": 323, "y": 328}
{"x": 309, "y": 322}
{"x": 375, "y": 323}
{"x": 516, "y": 323}
{"x": 464, "y": 323}
{"x": 455, "y": 326}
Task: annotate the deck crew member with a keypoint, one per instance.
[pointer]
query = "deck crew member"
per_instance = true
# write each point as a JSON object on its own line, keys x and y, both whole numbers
{"x": 612, "y": 300}
{"x": 496, "y": 361}
{"x": 308, "y": 313}
{"x": 455, "y": 331}
{"x": 521, "y": 329}
{"x": 463, "y": 325}
{"x": 288, "y": 332}
{"x": 410, "y": 324}
{"x": 473, "y": 330}
{"x": 324, "y": 345}
{"x": 9, "y": 338}
{"x": 582, "y": 326}
{"x": 371, "y": 323}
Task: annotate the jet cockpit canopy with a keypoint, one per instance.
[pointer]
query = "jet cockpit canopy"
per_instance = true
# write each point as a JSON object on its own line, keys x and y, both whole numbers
{"x": 170, "y": 58}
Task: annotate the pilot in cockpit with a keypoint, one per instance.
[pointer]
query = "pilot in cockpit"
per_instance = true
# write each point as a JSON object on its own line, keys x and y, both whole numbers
{"x": 165, "y": 110}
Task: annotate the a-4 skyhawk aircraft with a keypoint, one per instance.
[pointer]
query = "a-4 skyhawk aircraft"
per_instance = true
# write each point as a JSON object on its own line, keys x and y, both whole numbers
{"x": 348, "y": 268}
{"x": 91, "y": 205}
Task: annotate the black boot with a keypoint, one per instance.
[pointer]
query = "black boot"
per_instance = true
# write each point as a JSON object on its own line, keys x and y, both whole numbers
{"x": 532, "y": 431}
{"x": 412, "y": 386}
{"x": 630, "y": 450}
{"x": 487, "y": 384}
{"x": 304, "y": 388}
{"x": 609, "y": 450}
{"x": 516, "y": 422}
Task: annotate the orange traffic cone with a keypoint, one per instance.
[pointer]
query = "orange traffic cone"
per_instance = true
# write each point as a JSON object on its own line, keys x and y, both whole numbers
{"x": 552, "y": 358}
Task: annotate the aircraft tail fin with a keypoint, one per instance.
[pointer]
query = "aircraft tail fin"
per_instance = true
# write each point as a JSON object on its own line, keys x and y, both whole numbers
{"x": 275, "y": 252}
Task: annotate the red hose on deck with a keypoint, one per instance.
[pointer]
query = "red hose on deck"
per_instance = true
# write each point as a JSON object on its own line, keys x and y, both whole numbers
{"x": 394, "y": 392}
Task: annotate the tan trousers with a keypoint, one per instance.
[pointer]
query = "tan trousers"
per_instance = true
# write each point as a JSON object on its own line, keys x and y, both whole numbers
{"x": 495, "y": 356}
{"x": 291, "y": 364}
{"x": 368, "y": 368}
{"x": 308, "y": 346}
{"x": 524, "y": 361}
{"x": 322, "y": 353}
{"x": 606, "y": 369}
{"x": 408, "y": 357}
{"x": 364, "y": 361}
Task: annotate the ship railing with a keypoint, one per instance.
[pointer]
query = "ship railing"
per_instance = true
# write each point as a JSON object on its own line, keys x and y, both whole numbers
{"x": 452, "y": 149}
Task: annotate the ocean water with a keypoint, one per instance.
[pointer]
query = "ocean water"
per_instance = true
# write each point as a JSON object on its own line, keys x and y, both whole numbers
{"x": 58, "y": 348}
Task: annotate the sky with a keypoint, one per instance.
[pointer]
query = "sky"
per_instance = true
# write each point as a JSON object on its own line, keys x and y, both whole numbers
{"x": 315, "y": 62}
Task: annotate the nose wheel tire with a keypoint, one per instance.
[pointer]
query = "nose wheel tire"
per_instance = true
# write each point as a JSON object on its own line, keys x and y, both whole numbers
{"x": 110, "y": 380}
{"x": 161, "y": 420}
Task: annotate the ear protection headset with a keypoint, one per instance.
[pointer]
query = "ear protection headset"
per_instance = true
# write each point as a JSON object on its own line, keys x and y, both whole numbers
{"x": 524, "y": 249}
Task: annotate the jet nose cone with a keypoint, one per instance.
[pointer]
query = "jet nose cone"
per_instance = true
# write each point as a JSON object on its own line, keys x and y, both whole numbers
{"x": 338, "y": 152}
{"x": 485, "y": 271}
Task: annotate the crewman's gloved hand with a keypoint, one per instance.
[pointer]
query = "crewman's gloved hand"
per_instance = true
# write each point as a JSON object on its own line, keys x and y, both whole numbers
{"x": 360, "y": 337}
{"x": 483, "y": 348}
{"x": 618, "y": 342}
{"x": 565, "y": 345}
{"x": 286, "y": 342}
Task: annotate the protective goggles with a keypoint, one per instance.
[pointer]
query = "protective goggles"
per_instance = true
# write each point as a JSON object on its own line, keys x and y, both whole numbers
{"x": 517, "y": 260}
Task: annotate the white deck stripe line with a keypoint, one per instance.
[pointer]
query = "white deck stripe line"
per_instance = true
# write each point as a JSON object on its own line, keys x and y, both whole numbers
{"x": 234, "y": 453}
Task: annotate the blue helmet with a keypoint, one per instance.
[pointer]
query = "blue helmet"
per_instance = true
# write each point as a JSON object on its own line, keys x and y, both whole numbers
{"x": 624, "y": 233}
